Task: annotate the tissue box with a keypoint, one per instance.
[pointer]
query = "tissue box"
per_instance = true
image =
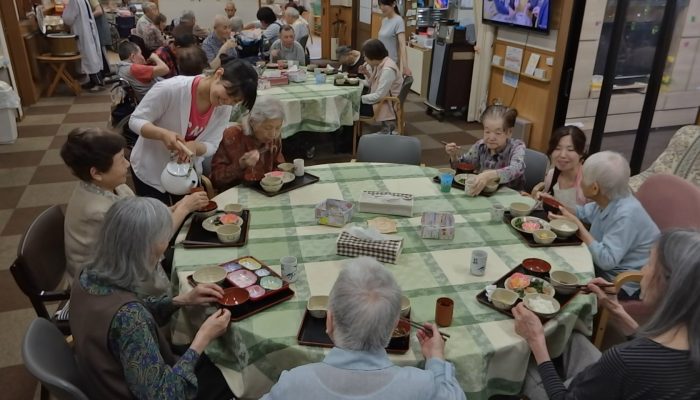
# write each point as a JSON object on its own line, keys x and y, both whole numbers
{"x": 278, "y": 81}
{"x": 386, "y": 203}
{"x": 382, "y": 250}
{"x": 437, "y": 225}
{"x": 297, "y": 76}
{"x": 334, "y": 212}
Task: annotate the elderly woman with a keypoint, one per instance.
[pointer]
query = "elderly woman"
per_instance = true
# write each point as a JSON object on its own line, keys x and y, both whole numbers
{"x": 662, "y": 362}
{"x": 363, "y": 310}
{"x": 96, "y": 157}
{"x": 118, "y": 348}
{"x": 383, "y": 79}
{"x": 350, "y": 60}
{"x": 251, "y": 149}
{"x": 621, "y": 233}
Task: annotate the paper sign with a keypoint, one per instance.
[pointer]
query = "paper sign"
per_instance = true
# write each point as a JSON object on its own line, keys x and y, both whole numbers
{"x": 532, "y": 64}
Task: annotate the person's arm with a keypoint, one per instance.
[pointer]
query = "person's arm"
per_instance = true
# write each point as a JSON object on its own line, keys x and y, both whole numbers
{"x": 386, "y": 79}
{"x": 215, "y": 63}
{"x": 515, "y": 168}
{"x": 616, "y": 241}
{"x": 97, "y": 10}
{"x": 185, "y": 206}
{"x": 403, "y": 63}
{"x": 433, "y": 349}
{"x": 161, "y": 68}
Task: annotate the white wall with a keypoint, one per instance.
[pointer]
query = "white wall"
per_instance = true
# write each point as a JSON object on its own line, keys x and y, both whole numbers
{"x": 205, "y": 10}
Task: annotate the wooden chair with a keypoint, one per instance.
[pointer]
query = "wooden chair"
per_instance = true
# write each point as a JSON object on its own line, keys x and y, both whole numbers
{"x": 634, "y": 307}
{"x": 41, "y": 264}
{"x": 396, "y": 102}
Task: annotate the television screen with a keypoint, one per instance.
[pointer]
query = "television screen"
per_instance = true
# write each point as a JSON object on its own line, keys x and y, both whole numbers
{"x": 527, "y": 14}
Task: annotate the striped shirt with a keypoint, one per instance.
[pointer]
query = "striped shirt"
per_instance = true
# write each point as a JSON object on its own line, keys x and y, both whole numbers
{"x": 509, "y": 163}
{"x": 637, "y": 370}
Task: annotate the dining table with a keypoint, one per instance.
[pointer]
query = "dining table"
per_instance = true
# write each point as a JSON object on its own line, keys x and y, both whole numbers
{"x": 313, "y": 107}
{"x": 489, "y": 357}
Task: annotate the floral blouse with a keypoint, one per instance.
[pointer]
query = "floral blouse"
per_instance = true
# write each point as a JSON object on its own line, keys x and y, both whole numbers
{"x": 509, "y": 163}
{"x": 133, "y": 339}
{"x": 225, "y": 168}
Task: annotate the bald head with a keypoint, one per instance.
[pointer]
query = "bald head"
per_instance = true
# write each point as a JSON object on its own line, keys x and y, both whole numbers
{"x": 222, "y": 27}
{"x": 230, "y": 9}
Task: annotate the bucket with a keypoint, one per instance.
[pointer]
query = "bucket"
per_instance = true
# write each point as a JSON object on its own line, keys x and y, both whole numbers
{"x": 63, "y": 44}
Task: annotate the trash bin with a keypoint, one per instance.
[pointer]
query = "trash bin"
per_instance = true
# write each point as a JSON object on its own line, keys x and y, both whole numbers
{"x": 9, "y": 102}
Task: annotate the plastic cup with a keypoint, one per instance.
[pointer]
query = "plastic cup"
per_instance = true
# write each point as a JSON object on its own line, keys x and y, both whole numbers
{"x": 320, "y": 78}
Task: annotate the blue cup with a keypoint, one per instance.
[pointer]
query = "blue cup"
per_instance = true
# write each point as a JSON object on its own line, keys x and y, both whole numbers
{"x": 320, "y": 78}
{"x": 446, "y": 179}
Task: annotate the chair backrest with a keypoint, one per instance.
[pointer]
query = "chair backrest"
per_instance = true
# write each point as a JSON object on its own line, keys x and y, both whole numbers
{"x": 536, "y": 164}
{"x": 47, "y": 356}
{"x": 302, "y": 40}
{"x": 125, "y": 25}
{"x": 41, "y": 257}
{"x": 396, "y": 149}
{"x": 670, "y": 201}
{"x": 405, "y": 87}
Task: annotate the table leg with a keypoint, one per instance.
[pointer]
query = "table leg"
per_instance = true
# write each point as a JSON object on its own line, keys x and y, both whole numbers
{"x": 58, "y": 72}
{"x": 72, "y": 83}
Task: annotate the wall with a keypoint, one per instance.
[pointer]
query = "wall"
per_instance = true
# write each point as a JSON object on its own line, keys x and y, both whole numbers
{"x": 205, "y": 10}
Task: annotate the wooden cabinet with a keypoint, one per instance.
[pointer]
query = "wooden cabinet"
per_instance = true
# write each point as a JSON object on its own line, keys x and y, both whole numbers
{"x": 418, "y": 59}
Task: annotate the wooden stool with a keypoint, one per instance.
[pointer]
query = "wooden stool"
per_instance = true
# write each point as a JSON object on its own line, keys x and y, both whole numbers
{"x": 58, "y": 64}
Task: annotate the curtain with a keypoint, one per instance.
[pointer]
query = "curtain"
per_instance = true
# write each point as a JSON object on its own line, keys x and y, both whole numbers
{"x": 485, "y": 36}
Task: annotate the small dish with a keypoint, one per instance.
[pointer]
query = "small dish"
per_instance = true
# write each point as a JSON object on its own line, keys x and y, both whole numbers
{"x": 212, "y": 223}
{"x": 211, "y": 274}
{"x": 286, "y": 176}
{"x": 519, "y": 209}
{"x": 231, "y": 266}
{"x": 228, "y": 233}
{"x": 526, "y": 284}
{"x": 208, "y": 210}
{"x": 271, "y": 184}
{"x": 541, "y": 304}
{"x": 242, "y": 278}
{"x": 317, "y": 306}
{"x": 271, "y": 282}
{"x": 262, "y": 272}
{"x": 249, "y": 263}
{"x": 405, "y": 306}
{"x": 491, "y": 187}
{"x": 529, "y": 224}
{"x": 544, "y": 236}
{"x": 353, "y": 81}
{"x": 461, "y": 178}
{"x": 286, "y": 167}
{"x": 504, "y": 299}
{"x": 563, "y": 227}
{"x": 255, "y": 291}
{"x": 537, "y": 266}
{"x": 564, "y": 282}
{"x": 234, "y": 208}
{"x": 340, "y": 81}
{"x": 234, "y": 296}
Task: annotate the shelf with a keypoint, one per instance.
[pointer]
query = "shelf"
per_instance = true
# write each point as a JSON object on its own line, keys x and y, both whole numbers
{"x": 524, "y": 75}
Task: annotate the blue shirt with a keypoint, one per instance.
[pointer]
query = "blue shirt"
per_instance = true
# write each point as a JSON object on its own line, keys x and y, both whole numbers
{"x": 624, "y": 234}
{"x": 212, "y": 44}
{"x": 360, "y": 375}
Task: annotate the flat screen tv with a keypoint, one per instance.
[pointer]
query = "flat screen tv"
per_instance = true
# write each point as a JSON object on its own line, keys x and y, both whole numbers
{"x": 524, "y": 14}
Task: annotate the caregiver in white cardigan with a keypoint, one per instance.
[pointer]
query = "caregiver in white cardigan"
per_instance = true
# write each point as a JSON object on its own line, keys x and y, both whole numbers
{"x": 193, "y": 110}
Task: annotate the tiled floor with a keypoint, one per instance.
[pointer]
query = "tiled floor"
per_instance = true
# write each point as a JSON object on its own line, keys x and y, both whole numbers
{"x": 33, "y": 177}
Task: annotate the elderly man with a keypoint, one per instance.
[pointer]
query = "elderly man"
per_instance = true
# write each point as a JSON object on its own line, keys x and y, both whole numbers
{"x": 350, "y": 60}
{"x": 219, "y": 42}
{"x": 286, "y": 48}
{"x": 169, "y": 53}
{"x": 133, "y": 67}
{"x": 622, "y": 233}
{"x": 187, "y": 23}
{"x": 230, "y": 9}
{"x": 147, "y": 29}
{"x": 301, "y": 30}
{"x": 363, "y": 310}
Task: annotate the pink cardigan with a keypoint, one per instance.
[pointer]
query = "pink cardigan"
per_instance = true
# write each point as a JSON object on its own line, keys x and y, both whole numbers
{"x": 580, "y": 198}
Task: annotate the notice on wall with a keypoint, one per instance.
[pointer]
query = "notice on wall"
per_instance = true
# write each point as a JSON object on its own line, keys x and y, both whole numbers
{"x": 510, "y": 79}
{"x": 513, "y": 61}
{"x": 366, "y": 11}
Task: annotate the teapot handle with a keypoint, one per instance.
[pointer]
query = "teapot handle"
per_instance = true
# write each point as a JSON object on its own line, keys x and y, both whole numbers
{"x": 185, "y": 149}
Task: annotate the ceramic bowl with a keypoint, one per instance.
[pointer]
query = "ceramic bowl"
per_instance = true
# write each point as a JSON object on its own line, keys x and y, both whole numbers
{"x": 286, "y": 167}
{"x": 317, "y": 306}
{"x": 537, "y": 266}
{"x": 504, "y": 299}
{"x": 536, "y": 302}
{"x": 271, "y": 184}
{"x": 234, "y": 208}
{"x": 353, "y": 81}
{"x": 405, "y": 306}
{"x": 213, "y": 274}
{"x": 564, "y": 282}
{"x": 491, "y": 187}
{"x": 208, "y": 210}
{"x": 528, "y": 224}
{"x": 402, "y": 329}
{"x": 550, "y": 204}
{"x": 518, "y": 209}
{"x": 228, "y": 233}
{"x": 339, "y": 81}
{"x": 544, "y": 236}
{"x": 563, "y": 228}
{"x": 234, "y": 296}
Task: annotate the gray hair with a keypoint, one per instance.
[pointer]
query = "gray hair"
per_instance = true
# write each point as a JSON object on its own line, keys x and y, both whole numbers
{"x": 265, "y": 108}
{"x": 125, "y": 251}
{"x": 236, "y": 24}
{"x": 341, "y": 51}
{"x": 187, "y": 15}
{"x": 220, "y": 20}
{"x": 292, "y": 12}
{"x": 365, "y": 302}
{"x": 678, "y": 263}
{"x": 610, "y": 171}
{"x": 149, "y": 5}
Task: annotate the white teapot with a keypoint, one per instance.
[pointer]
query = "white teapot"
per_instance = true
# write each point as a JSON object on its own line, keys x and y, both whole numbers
{"x": 178, "y": 178}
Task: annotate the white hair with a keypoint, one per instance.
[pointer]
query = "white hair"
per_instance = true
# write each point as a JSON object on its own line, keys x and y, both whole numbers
{"x": 610, "y": 171}
{"x": 220, "y": 20}
{"x": 147, "y": 6}
{"x": 187, "y": 15}
{"x": 365, "y": 302}
{"x": 292, "y": 12}
{"x": 125, "y": 251}
{"x": 265, "y": 108}
{"x": 236, "y": 24}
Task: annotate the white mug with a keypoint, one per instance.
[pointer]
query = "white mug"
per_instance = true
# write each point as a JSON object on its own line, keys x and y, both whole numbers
{"x": 299, "y": 166}
{"x": 478, "y": 263}
{"x": 289, "y": 268}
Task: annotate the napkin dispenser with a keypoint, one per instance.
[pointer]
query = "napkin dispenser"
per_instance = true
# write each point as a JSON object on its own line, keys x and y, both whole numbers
{"x": 386, "y": 250}
{"x": 386, "y": 203}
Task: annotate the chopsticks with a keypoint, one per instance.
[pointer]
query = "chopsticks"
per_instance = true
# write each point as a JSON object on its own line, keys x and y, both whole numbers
{"x": 426, "y": 331}
{"x": 446, "y": 143}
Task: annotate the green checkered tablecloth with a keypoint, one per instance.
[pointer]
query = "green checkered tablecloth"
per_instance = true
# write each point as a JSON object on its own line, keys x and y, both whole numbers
{"x": 312, "y": 107}
{"x": 488, "y": 355}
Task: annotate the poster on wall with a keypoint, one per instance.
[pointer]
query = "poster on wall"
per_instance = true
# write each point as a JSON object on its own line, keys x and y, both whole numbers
{"x": 513, "y": 61}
